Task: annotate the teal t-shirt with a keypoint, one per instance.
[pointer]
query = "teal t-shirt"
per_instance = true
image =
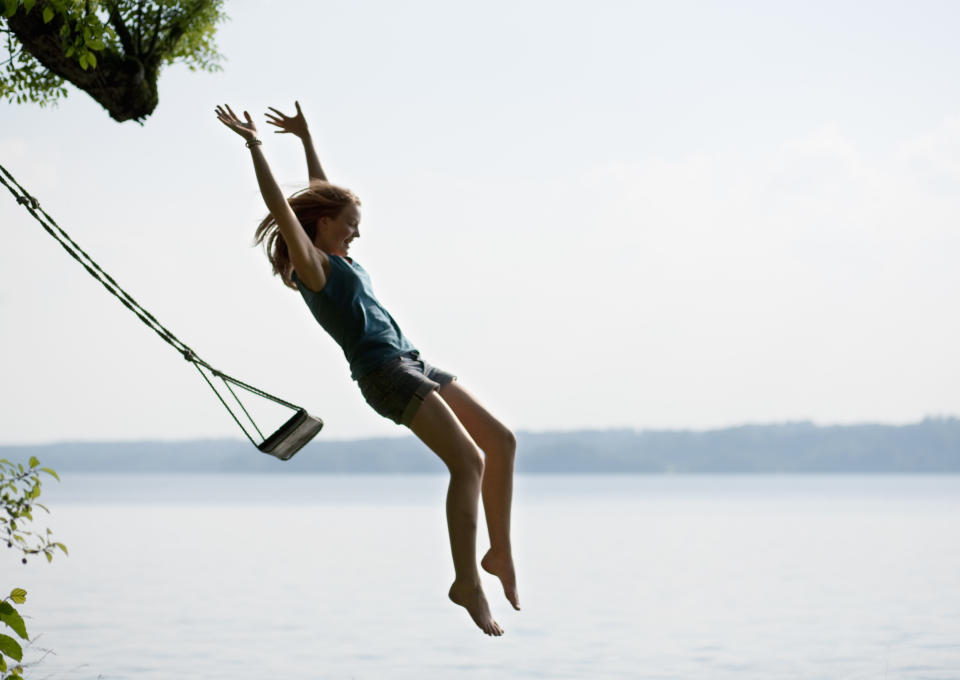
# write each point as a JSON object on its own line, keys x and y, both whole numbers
{"x": 348, "y": 310}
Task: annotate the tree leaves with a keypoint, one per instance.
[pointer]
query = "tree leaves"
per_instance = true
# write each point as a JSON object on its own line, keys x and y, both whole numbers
{"x": 73, "y": 39}
{"x": 20, "y": 488}
{"x": 10, "y": 647}
{"x": 12, "y": 618}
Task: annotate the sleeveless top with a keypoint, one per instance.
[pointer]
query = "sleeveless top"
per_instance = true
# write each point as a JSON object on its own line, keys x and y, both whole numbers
{"x": 348, "y": 310}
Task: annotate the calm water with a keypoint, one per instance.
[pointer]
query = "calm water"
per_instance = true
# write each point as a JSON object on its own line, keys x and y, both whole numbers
{"x": 620, "y": 577}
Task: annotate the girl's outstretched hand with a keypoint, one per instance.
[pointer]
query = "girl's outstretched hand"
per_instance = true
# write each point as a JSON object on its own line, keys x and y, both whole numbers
{"x": 296, "y": 125}
{"x": 247, "y": 129}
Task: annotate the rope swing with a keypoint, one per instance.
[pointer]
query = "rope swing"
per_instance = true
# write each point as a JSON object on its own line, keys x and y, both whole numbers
{"x": 289, "y": 438}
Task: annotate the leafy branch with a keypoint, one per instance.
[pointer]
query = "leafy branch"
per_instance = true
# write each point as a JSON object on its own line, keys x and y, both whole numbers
{"x": 112, "y": 49}
{"x": 19, "y": 489}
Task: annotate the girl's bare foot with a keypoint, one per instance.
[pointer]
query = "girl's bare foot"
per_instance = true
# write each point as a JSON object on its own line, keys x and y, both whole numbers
{"x": 471, "y": 598}
{"x": 501, "y": 566}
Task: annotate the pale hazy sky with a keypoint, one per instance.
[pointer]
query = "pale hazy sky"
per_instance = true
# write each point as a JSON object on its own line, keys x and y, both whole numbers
{"x": 613, "y": 214}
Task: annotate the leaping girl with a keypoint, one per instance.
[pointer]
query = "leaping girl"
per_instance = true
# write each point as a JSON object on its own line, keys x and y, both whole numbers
{"x": 307, "y": 238}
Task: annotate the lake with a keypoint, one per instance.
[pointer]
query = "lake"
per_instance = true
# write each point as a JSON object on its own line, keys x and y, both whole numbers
{"x": 345, "y": 577}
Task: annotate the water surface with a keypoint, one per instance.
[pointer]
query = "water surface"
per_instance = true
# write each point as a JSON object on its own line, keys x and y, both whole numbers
{"x": 237, "y": 576}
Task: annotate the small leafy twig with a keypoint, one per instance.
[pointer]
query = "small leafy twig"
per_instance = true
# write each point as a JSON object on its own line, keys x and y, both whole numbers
{"x": 19, "y": 489}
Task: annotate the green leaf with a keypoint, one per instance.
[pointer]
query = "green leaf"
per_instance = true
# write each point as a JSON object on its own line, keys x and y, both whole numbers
{"x": 12, "y": 618}
{"x": 18, "y": 595}
{"x": 28, "y": 5}
{"x": 34, "y": 462}
{"x": 3, "y": 664}
{"x": 51, "y": 472}
{"x": 88, "y": 37}
{"x": 63, "y": 548}
{"x": 11, "y": 648}
{"x": 49, "y": 556}
{"x": 47, "y": 15}
{"x": 8, "y": 11}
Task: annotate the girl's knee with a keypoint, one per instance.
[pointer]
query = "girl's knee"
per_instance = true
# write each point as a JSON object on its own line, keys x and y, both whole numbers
{"x": 503, "y": 444}
{"x": 509, "y": 441}
{"x": 468, "y": 462}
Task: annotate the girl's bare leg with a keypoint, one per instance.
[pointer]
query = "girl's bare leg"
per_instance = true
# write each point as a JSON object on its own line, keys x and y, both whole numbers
{"x": 437, "y": 426}
{"x": 499, "y": 445}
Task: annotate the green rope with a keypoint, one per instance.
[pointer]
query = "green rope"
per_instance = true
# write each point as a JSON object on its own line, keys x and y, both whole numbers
{"x": 32, "y": 206}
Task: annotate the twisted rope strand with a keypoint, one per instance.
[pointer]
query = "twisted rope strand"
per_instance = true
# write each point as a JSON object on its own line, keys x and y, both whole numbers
{"x": 50, "y": 225}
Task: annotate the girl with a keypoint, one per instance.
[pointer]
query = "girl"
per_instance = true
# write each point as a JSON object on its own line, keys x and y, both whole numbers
{"x": 308, "y": 238}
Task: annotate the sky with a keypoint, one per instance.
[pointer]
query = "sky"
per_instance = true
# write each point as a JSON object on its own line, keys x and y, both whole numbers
{"x": 598, "y": 215}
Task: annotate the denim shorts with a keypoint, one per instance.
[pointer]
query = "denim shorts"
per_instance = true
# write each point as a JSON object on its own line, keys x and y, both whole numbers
{"x": 396, "y": 388}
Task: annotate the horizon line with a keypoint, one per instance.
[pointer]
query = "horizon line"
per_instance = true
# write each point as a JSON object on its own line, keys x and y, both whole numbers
{"x": 405, "y": 434}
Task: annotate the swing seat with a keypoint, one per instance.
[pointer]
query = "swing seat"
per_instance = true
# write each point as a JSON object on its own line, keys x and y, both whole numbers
{"x": 292, "y": 436}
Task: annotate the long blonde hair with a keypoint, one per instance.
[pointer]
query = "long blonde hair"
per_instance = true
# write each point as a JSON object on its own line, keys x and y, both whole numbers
{"x": 320, "y": 199}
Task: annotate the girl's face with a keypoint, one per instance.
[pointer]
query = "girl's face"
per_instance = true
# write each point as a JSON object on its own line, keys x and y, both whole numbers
{"x": 334, "y": 234}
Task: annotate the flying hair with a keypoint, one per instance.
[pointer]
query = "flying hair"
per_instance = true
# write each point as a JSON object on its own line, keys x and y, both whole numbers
{"x": 319, "y": 199}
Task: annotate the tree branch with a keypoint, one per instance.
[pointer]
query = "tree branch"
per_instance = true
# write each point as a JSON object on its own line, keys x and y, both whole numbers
{"x": 125, "y": 86}
{"x": 128, "y": 60}
{"x": 156, "y": 31}
{"x": 121, "y": 28}
{"x": 139, "y": 24}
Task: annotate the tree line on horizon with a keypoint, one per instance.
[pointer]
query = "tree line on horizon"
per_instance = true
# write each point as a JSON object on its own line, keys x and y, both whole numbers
{"x": 931, "y": 446}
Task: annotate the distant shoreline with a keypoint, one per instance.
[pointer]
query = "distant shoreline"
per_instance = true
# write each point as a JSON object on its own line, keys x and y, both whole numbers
{"x": 931, "y": 446}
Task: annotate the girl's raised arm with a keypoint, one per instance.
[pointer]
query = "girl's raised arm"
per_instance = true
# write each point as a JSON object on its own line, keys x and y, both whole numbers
{"x": 297, "y": 125}
{"x": 307, "y": 259}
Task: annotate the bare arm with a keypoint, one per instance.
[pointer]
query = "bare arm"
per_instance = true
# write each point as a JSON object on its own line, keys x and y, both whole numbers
{"x": 297, "y": 125}
{"x": 313, "y": 162}
{"x": 308, "y": 261}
